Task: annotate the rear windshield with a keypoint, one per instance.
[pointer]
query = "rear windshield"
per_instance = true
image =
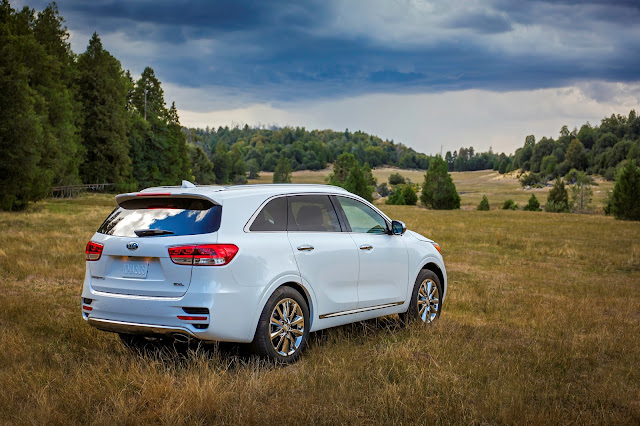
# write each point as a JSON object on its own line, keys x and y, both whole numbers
{"x": 157, "y": 217}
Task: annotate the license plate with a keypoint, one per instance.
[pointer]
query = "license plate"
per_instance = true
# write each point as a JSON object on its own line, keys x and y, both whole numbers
{"x": 135, "y": 270}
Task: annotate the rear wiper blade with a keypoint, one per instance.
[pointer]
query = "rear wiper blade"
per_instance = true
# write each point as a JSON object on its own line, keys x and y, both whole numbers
{"x": 151, "y": 232}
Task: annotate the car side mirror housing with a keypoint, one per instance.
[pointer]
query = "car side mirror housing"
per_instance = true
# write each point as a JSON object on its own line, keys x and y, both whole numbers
{"x": 398, "y": 227}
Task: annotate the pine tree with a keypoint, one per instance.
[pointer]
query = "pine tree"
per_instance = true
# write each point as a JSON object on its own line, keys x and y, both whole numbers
{"x": 201, "y": 166}
{"x": 625, "y": 199}
{"x": 282, "y": 172}
{"x": 21, "y": 138}
{"x": 484, "y": 204}
{"x": 439, "y": 191}
{"x": 221, "y": 163}
{"x": 558, "y": 198}
{"x": 533, "y": 204}
{"x": 357, "y": 183}
{"x": 102, "y": 91}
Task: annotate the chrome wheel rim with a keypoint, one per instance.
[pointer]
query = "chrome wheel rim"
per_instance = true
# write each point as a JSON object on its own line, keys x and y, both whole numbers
{"x": 286, "y": 327}
{"x": 428, "y": 300}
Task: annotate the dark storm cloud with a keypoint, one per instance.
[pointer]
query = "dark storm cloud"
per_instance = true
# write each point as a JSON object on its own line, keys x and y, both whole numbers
{"x": 280, "y": 50}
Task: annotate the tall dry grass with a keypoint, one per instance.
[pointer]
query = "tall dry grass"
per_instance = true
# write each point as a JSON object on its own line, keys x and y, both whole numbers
{"x": 541, "y": 325}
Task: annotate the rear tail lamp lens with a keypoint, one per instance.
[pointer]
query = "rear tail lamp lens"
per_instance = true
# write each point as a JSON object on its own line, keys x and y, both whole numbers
{"x": 93, "y": 251}
{"x": 203, "y": 255}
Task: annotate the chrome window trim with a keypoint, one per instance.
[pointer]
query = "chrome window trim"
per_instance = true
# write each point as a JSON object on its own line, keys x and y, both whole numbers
{"x": 293, "y": 194}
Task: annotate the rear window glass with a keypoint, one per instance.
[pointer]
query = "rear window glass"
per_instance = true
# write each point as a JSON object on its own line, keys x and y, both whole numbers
{"x": 313, "y": 213}
{"x": 157, "y": 217}
{"x": 273, "y": 217}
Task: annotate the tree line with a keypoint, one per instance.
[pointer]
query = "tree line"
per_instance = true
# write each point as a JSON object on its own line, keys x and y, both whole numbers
{"x": 67, "y": 119}
{"x": 239, "y": 150}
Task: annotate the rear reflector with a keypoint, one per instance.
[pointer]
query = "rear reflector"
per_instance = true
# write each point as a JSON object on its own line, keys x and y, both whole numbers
{"x": 191, "y": 318}
{"x": 87, "y": 308}
{"x": 203, "y": 255}
{"x": 93, "y": 251}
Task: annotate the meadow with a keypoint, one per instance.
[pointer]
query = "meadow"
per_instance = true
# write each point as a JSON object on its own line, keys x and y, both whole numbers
{"x": 541, "y": 325}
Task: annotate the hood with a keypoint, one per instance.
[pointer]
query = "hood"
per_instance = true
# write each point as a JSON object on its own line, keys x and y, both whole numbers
{"x": 418, "y": 236}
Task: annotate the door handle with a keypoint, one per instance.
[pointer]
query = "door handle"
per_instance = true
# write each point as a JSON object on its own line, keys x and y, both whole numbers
{"x": 366, "y": 247}
{"x": 305, "y": 247}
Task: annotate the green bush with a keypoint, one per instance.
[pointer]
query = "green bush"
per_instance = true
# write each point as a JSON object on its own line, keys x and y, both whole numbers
{"x": 531, "y": 179}
{"x": 509, "y": 205}
{"x": 484, "y": 204}
{"x": 396, "y": 179}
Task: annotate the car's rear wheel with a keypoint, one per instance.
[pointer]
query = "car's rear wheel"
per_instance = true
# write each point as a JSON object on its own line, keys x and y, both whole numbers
{"x": 283, "y": 328}
{"x": 425, "y": 304}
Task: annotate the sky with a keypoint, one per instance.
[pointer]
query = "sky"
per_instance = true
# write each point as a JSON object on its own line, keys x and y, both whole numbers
{"x": 434, "y": 75}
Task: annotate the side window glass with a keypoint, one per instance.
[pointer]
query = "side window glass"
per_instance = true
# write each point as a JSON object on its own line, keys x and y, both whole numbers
{"x": 272, "y": 217}
{"x": 313, "y": 213}
{"x": 362, "y": 218}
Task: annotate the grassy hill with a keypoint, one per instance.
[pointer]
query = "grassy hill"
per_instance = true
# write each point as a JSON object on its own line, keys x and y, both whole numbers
{"x": 541, "y": 325}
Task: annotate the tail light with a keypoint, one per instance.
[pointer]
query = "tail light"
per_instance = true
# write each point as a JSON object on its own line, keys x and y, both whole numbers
{"x": 93, "y": 251}
{"x": 203, "y": 255}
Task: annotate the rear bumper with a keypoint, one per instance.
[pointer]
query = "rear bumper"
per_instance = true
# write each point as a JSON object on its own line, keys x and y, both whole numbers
{"x": 137, "y": 328}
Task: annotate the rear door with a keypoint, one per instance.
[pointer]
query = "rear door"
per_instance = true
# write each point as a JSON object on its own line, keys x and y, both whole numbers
{"x": 327, "y": 258}
{"x": 383, "y": 258}
{"x": 136, "y": 238}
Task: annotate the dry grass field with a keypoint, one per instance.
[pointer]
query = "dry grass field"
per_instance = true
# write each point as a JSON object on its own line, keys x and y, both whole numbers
{"x": 470, "y": 185}
{"x": 541, "y": 326}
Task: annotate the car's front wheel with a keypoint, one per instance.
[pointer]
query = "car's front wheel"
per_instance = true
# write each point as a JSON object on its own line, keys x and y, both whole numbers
{"x": 283, "y": 328}
{"x": 425, "y": 304}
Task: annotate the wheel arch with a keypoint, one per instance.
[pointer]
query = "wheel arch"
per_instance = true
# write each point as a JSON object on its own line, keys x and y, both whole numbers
{"x": 295, "y": 285}
{"x": 435, "y": 268}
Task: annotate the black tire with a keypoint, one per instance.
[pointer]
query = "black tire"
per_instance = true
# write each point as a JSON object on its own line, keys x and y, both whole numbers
{"x": 434, "y": 305}
{"x": 286, "y": 347}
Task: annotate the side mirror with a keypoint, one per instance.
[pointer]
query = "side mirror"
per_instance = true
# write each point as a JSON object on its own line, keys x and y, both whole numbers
{"x": 398, "y": 227}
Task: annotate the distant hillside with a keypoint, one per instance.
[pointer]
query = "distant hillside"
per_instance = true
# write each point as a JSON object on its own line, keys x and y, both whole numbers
{"x": 599, "y": 149}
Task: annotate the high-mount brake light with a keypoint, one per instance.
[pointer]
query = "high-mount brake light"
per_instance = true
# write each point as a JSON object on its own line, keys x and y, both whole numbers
{"x": 203, "y": 254}
{"x": 93, "y": 251}
{"x": 153, "y": 194}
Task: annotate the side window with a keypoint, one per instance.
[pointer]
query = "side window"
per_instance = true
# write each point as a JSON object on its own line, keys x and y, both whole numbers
{"x": 272, "y": 217}
{"x": 312, "y": 213}
{"x": 361, "y": 217}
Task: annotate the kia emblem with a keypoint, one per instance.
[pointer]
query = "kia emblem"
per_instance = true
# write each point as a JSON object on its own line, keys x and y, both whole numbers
{"x": 132, "y": 245}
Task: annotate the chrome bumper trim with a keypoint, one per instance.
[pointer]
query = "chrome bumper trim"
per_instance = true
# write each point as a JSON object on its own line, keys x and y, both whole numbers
{"x": 136, "y": 328}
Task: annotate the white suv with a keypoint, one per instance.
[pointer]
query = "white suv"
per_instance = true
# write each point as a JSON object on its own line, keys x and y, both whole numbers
{"x": 265, "y": 264}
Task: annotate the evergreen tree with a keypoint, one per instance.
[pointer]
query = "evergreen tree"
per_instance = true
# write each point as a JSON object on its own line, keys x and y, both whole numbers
{"x": 254, "y": 168}
{"x": 558, "y": 199}
{"x": 357, "y": 183}
{"x": 341, "y": 168}
{"x": 409, "y": 195}
{"x": 222, "y": 163}
{"x": 177, "y": 155}
{"x": 396, "y": 199}
{"x": 533, "y": 204}
{"x": 282, "y": 173}
{"x": 102, "y": 92}
{"x": 21, "y": 135}
{"x": 625, "y": 199}
{"x": 484, "y": 204}
{"x": 439, "y": 191}
{"x": 201, "y": 166}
